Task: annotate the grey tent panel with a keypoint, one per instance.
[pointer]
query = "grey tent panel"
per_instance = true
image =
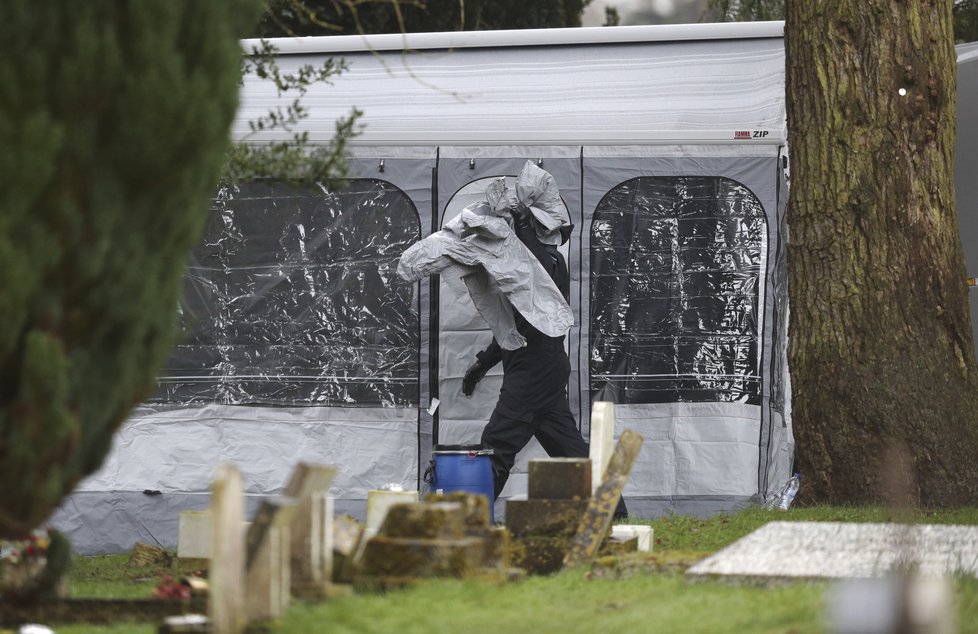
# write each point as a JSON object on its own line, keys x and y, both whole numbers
{"x": 297, "y": 350}
{"x": 966, "y": 168}
{"x": 681, "y": 253}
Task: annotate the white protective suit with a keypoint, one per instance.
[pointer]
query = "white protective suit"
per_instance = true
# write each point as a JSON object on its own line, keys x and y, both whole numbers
{"x": 480, "y": 248}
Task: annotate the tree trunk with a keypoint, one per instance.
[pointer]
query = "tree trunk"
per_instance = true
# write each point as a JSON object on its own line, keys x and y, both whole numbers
{"x": 880, "y": 345}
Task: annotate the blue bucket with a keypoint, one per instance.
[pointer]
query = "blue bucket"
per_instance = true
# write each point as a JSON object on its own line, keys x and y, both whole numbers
{"x": 464, "y": 468}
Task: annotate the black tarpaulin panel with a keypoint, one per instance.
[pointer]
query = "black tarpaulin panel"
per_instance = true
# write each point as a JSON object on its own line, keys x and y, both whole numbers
{"x": 291, "y": 298}
{"x": 675, "y": 264}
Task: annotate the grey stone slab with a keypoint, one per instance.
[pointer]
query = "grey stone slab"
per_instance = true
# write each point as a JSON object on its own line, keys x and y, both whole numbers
{"x": 836, "y": 550}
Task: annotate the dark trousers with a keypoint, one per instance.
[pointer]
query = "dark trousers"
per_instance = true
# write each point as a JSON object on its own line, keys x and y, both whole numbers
{"x": 554, "y": 427}
{"x": 533, "y": 403}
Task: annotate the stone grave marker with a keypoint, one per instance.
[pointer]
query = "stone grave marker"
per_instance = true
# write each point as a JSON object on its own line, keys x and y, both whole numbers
{"x": 596, "y": 521}
{"x": 559, "y": 479}
{"x": 194, "y": 535}
{"x": 267, "y": 569}
{"x": 311, "y": 533}
{"x": 602, "y": 439}
{"x": 227, "y": 568}
{"x": 837, "y": 550}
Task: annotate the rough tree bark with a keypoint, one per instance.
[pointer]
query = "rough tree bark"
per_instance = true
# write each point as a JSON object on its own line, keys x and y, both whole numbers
{"x": 880, "y": 344}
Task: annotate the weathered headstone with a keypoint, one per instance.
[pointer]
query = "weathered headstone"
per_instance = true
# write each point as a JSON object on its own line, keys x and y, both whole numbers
{"x": 475, "y": 509}
{"x": 602, "y": 439}
{"x": 268, "y": 575}
{"x": 227, "y": 567}
{"x": 194, "y": 535}
{"x": 311, "y": 549}
{"x": 525, "y": 518}
{"x": 380, "y": 500}
{"x": 559, "y": 479}
{"x": 420, "y": 540}
{"x": 595, "y": 522}
{"x": 348, "y": 534}
{"x": 435, "y": 538}
{"x": 837, "y": 550}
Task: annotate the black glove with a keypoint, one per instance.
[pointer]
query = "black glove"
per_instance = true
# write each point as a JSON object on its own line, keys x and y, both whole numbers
{"x": 521, "y": 215}
{"x": 472, "y": 376}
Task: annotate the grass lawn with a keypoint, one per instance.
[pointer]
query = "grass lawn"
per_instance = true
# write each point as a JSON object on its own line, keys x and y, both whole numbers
{"x": 654, "y": 596}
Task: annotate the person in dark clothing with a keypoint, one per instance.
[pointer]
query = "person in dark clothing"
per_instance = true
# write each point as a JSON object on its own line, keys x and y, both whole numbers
{"x": 533, "y": 398}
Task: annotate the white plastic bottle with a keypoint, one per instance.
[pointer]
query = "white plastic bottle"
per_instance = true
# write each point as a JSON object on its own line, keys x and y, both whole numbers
{"x": 790, "y": 491}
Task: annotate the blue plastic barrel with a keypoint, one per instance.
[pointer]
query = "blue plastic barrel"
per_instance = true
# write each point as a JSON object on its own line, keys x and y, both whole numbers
{"x": 464, "y": 468}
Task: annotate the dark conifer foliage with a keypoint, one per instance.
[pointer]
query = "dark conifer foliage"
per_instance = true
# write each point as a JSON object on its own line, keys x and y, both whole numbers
{"x": 114, "y": 121}
{"x": 345, "y": 17}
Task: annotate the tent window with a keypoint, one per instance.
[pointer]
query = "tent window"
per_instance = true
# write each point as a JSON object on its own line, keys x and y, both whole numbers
{"x": 675, "y": 276}
{"x": 291, "y": 298}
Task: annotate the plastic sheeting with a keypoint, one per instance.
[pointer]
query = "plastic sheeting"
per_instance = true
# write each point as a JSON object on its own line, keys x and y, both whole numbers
{"x": 675, "y": 267}
{"x": 291, "y": 299}
{"x": 479, "y": 247}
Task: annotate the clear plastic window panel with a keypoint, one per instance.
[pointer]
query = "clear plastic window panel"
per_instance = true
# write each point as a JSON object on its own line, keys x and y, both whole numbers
{"x": 675, "y": 274}
{"x": 291, "y": 298}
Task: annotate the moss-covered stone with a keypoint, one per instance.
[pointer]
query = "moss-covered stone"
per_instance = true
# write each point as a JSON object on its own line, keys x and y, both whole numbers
{"x": 559, "y": 479}
{"x": 436, "y": 520}
{"x": 475, "y": 508}
{"x": 496, "y": 551}
{"x": 402, "y": 557}
{"x": 539, "y": 555}
{"x": 544, "y": 517}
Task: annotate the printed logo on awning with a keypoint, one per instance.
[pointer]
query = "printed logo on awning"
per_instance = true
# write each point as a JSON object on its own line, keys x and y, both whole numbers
{"x": 750, "y": 134}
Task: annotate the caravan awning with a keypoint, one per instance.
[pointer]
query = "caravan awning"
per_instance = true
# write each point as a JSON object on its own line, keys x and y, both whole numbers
{"x": 703, "y": 84}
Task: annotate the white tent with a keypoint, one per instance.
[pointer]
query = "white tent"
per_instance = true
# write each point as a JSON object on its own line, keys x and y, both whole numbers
{"x": 667, "y": 144}
{"x": 966, "y": 167}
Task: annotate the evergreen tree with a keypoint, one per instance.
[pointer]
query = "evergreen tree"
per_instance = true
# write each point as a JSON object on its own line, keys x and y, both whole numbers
{"x": 966, "y": 20}
{"x": 344, "y": 17}
{"x": 114, "y": 123}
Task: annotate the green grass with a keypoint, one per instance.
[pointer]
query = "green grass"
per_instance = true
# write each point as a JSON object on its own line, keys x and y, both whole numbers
{"x": 109, "y": 577}
{"x": 569, "y": 602}
{"x": 654, "y": 595}
{"x": 684, "y": 533}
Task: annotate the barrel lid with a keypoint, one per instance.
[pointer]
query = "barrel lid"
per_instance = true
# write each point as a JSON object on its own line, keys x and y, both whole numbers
{"x": 479, "y": 450}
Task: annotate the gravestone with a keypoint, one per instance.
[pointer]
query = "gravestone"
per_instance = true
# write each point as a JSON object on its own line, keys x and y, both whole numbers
{"x": 227, "y": 568}
{"x": 267, "y": 560}
{"x": 559, "y": 479}
{"x": 602, "y": 442}
{"x": 311, "y": 533}
{"x": 194, "y": 535}
{"x": 380, "y": 500}
{"x": 836, "y": 550}
{"x": 447, "y": 535}
{"x": 594, "y": 524}
{"x": 348, "y": 534}
{"x": 544, "y": 525}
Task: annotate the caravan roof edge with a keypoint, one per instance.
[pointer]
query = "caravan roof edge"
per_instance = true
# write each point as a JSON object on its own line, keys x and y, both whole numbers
{"x": 332, "y": 44}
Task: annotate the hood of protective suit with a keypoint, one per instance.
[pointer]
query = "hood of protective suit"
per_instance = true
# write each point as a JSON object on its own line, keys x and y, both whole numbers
{"x": 535, "y": 188}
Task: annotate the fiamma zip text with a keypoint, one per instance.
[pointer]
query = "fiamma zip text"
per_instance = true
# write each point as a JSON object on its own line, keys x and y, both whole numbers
{"x": 751, "y": 134}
